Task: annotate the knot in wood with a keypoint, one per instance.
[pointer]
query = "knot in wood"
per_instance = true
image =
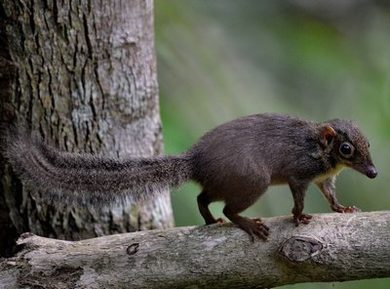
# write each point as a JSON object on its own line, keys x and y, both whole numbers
{"x": 300, "y": 248}
{"x": 132, "y": 249}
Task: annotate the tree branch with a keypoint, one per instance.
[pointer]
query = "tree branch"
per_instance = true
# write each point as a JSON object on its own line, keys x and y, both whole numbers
{"x": 333, "y": 247}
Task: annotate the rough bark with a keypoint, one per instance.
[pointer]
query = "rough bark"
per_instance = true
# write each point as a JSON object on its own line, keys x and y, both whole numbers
{"x": 83, "y": 75}
{"x": 333, "y": 247}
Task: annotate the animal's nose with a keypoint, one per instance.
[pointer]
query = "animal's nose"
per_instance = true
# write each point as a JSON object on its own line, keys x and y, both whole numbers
{"x": 371, "y": 172}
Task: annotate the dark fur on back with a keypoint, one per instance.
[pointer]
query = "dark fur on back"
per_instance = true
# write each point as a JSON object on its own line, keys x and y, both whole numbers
{"x": 266, "y": 148}
{"x": 236, "y": 160}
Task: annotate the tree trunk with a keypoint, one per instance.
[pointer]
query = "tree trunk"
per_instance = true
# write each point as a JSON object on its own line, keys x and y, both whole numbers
{"x": 83, "y": 75}
{"x": 333, "y": 247}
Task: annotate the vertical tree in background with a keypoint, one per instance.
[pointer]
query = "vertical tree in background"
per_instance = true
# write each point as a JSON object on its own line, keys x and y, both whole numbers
{"x": 83, "y": 75}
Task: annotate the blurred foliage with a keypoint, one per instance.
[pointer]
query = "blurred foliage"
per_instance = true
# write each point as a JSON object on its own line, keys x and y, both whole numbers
{"x": 221, "y": 59}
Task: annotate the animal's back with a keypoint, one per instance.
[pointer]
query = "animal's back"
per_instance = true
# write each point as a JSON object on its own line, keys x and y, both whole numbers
{"x": 249, "y": 147}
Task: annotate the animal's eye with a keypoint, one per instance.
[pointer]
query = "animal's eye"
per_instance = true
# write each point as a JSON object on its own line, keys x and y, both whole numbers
{"x": 346, "y": 150}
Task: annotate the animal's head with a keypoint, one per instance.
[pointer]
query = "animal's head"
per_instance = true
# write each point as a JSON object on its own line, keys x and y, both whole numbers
{"x": 346, "y": 145}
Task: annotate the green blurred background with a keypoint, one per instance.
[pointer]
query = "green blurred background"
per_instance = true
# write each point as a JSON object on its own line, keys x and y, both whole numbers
{"x": 221, "y": 59}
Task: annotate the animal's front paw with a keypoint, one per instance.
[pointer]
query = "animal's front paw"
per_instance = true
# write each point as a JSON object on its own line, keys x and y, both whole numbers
{"x": 302, "y": 219}
{"x": 342, "y": 209}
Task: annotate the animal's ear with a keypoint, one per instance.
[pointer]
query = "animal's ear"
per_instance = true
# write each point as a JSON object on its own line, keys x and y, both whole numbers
{"x": 327, "y": 135}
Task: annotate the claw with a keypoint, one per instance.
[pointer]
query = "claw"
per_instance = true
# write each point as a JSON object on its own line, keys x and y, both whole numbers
{"x": 255, "y": 228}
{"x": 342, "y": 209}
{"x": 302, "y": 219}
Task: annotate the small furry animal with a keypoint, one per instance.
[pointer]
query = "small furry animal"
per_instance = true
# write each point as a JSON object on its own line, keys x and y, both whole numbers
{"x": 235, "y": 163}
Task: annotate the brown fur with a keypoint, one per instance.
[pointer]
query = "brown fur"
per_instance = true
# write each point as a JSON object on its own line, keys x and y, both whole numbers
{"x": 234, "y": 163}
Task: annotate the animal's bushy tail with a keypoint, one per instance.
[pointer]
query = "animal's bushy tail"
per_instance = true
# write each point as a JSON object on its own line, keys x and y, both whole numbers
{"x": 87, "y": 178}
